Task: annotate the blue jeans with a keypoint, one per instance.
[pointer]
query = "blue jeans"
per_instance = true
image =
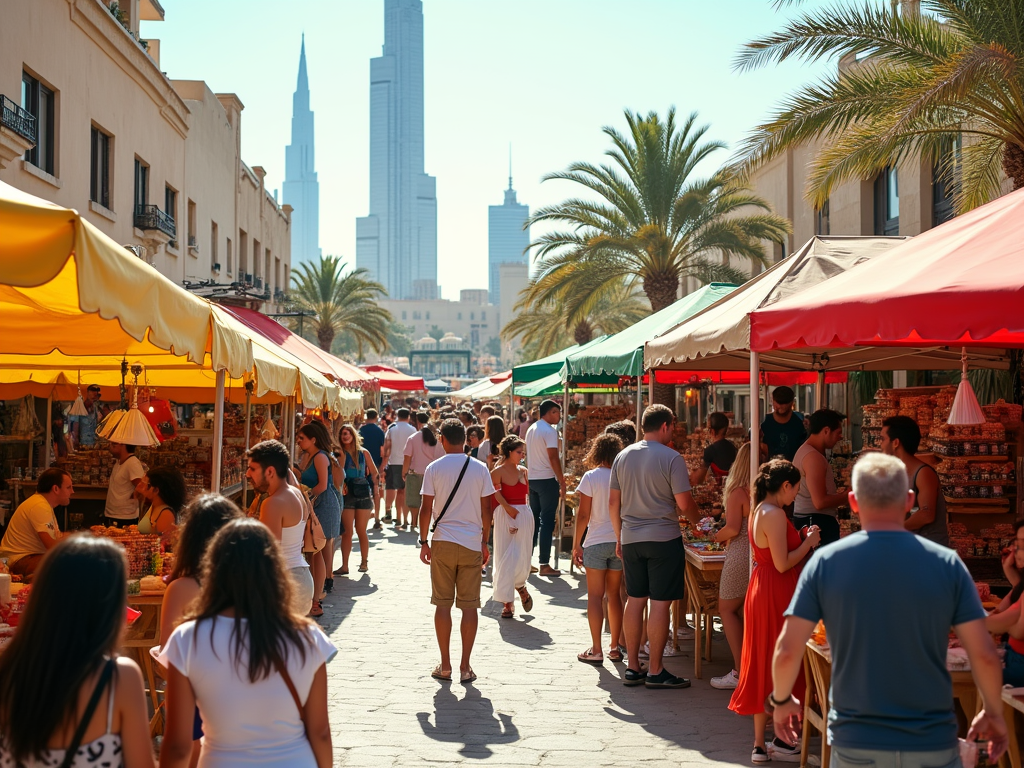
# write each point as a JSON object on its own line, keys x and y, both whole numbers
{"x": 544, "y": 496}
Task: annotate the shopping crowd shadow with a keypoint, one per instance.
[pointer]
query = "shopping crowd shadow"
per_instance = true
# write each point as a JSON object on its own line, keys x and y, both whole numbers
{"x": 470, "y": 722}
{"x": 565, "y": 590}
{"x": 340, "y": 603}
{"x": 518, "y": 631}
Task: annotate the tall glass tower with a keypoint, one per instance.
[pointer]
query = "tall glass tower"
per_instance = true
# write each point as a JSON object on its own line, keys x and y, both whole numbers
{"x": 301, "y": 189}
{"x": 397, "y": 241}
{"x": 507, "y": 239}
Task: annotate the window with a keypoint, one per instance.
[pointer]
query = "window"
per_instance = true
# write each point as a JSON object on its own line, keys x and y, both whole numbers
{"x": 417, "y": 316}
{"x": 266, "y": 267}
{"x": 459, "y": 315}
{"x": 428, "y": 314}
{"x": 171, "y": 209}
{"x": 243, "y": 255}
{"x": 403, "y": 315}
{"x": 214, "y": 231}
{"x": 255, "y": 257}
{"x": 483, "y": 314}
{"x": 39, "y": 101}
{"x": 472, "y": 315}
{"x": 822, "y": 226}
{"x": 141, "y": 185}
{"x": 887, "y": 203}
{"x": 227, "y": 256}
{"x": 192, "y": 241}
{"x": 277, "y": 275}
{"x": 99, "y": 168}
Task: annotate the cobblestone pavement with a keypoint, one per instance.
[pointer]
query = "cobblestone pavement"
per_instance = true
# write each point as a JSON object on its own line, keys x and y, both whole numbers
{"x": 533, "y": 704}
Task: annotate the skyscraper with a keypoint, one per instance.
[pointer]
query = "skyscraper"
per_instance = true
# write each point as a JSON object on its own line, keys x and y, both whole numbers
{"x": 301, "y": 189}
{"x": 397, "y": 241}
{"x": 507, "y": 240}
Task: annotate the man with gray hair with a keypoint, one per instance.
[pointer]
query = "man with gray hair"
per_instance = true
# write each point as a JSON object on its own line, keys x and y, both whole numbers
{"x": 888, "y": 599}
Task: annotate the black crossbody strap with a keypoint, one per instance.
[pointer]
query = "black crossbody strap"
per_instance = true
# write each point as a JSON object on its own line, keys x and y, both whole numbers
{"x": 452, "y": 494}
{"x": 90, "y": 710}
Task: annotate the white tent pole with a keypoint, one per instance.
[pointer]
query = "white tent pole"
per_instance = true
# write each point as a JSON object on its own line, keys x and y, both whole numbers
{"x": 755, "y": 416}
{"x": 640, "y": 399}
{"x": 560, "y": 522}
{"x": 291, "y": 426}
{"x": 218, "y": 433}
{"x": 48, "y": 433}
{"x": 248, "y": 428}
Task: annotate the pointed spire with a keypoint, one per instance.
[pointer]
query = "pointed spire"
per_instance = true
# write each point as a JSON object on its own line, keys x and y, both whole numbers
{"x": 510, "y": 165}
{"x": 303, "y": 83}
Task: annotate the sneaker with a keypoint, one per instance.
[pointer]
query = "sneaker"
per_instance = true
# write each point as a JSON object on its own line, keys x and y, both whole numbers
{"x": 534, "y": 569}
{"x": 645, "y": 652}
{"x": 759, "y": 756}
{"x": 670, "y": 650}
{"x": 666, "y": 679}
{"x": 726, "y": 682}
{"x": 684, "y": 633}
{"x": 783, "y": 752}
{"x": 387, "y": 517}
{"x": 377, "y": 526}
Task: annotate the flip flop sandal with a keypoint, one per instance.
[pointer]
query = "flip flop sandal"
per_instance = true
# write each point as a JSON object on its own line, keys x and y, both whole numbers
{"x": 507, "y": 613}
{"x": 341, "y": 572}
{"x": 467, "y": 677}
{"x": 590, "y": 657}
{"x": 438, "y": 674}
{"x": 527, "y": 599}
{"x": 615, "y": 655}
{"x": 317, "y": 610}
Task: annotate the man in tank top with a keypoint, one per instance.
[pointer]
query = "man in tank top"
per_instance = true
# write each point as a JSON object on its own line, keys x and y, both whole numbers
{"x": 819, "y": 498}
{"x": 901, "y": 438}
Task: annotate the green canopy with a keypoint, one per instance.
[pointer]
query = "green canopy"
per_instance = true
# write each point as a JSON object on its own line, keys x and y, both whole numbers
{"x": 552, "y": 384}
{"x": 538, "y": 369}
{"x": 622, "y": 354}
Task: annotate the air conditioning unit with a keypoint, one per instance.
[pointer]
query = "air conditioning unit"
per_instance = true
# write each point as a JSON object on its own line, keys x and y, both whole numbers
{"x": 248, "y": 277}
{"x": 216, "y": 266}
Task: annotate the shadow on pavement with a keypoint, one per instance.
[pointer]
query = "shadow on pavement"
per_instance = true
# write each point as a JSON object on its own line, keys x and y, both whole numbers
{"x": 470, "y": 721}
{"x": 566, "y": 591}
{"x": 520, "y": 630}
{"x": 340, "y": 603}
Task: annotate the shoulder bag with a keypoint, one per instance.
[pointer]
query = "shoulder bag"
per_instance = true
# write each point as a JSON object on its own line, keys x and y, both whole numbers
{"x": 281, "y": 670}
{"x": 313, "y": 537}
{"x": 452, "y": 494}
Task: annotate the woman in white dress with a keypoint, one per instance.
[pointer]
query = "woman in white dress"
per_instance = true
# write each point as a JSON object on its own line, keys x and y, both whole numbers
{"x": 513, "y": 527}
{"x": 251, "y": 662}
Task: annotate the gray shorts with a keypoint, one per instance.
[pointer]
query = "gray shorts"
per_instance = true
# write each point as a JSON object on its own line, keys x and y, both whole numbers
{"x": 393, "y": 478}
{"x": 601, "y": 557}
{"x": 843, "y": 757}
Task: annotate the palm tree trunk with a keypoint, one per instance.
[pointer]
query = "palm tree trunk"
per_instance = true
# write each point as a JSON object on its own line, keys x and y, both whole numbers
{"x": 1013, "y": 164}
{"x": 583, "y": 332}
{"x": 325, "y": 337}
{"x": 661, "y": 289}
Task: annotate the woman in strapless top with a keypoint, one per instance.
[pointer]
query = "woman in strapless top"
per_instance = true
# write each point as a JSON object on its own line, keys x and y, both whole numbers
{"x": 513, "y": 527}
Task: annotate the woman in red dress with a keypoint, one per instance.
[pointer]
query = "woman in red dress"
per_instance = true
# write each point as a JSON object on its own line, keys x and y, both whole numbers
{"x": 778, "y": 554}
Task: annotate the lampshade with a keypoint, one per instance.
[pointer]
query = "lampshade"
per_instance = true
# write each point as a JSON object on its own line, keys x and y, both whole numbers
{"x": 133, "y": 429}
{"x": 106, "y": 426}
{"x": 78, "y": 407}
{"x": 965, "y": 405}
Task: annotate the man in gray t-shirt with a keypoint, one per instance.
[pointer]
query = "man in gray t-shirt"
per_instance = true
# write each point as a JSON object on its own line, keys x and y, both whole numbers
{"x": 649, "y": 484}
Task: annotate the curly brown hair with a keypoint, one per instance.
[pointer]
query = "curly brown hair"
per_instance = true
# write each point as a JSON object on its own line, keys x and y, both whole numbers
{"x": 603, "y": 450}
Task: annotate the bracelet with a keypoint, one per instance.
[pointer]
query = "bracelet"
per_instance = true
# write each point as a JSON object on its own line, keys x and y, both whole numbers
{"x": 775, "y": 703}
{"x": 423, "y": 542}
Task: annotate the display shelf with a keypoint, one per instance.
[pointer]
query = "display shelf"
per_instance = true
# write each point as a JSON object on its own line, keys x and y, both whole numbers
{"x": 978, "y": 458}
{"x": 976, "y": 511}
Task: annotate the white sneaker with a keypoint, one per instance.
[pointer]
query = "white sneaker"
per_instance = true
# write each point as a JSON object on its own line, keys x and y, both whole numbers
{"x": 759, "y": 756}
{"x": 645, "y": 652}
{"x": 782, "y": 753}
{"x": 684, "y": 633}
{"x": 726, "y": 682}
{"x": 670, "y": 650}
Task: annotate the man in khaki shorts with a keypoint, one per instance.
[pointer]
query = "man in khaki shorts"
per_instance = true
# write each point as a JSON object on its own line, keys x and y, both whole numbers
{"x": 456, "y": 496}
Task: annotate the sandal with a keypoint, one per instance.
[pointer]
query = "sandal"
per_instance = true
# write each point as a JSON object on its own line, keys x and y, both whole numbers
{"x": 317, "y": 610}
{"x": 363, "y": 567}
{"x": 467, "y": 676}
{"x": 590, "y": 656}
{"x": 507, "y": 613}
{"x": 615, "y": 655}
{"x": 527, "y": 599}
{"x": 341, "y": 572}
{"x": 440, "y": 674}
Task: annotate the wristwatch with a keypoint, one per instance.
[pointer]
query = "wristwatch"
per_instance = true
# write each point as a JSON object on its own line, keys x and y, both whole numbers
{"x": 423, "y": 542}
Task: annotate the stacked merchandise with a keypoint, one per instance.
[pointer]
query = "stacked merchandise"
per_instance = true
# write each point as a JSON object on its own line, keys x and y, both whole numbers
{"x": 581, "y": 428}
{"x": 987, "y": 543}
{"x": 89, "y": 465}
{"x": 707, "y": 495}
{"x": 145, "y": 551}
{"x": 195, "y": 462}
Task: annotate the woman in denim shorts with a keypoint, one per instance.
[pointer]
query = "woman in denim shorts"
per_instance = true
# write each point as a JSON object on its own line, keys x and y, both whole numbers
{"x": 604, "y": 569}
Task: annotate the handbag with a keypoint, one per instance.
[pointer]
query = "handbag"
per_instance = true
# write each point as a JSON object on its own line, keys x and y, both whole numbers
{"x": 452, "y": 494}
{"x": 313, "y": 537}
{"x": 359, "y": 487}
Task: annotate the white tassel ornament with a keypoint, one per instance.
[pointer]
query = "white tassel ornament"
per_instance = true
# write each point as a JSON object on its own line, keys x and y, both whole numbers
{"x": 965, "y": 405}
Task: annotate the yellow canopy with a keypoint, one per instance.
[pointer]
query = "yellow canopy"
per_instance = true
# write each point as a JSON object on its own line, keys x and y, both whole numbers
{"x": 75, "y": 303}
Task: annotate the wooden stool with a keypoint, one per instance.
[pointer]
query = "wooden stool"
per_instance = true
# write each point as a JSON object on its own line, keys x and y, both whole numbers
{"x": 702, "y": 590}
{"x": 818, "y": 678}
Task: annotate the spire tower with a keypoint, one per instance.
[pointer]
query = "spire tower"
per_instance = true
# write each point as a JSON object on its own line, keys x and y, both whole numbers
{"x": 301, "y": 188}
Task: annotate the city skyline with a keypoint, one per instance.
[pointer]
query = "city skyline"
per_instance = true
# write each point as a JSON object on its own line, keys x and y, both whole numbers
{"x": 535, "y": 80}
{"x": 507, "y": 237}
{"x": 301, "y": 190}
{"x": 397, "y": 241}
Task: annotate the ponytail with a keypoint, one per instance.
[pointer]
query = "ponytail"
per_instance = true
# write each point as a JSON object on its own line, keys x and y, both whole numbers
{"x": 428, "y": 434}
{"x": 771, "y": 476}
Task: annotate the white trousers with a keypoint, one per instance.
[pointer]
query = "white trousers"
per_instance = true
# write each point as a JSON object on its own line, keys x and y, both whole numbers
{"x": 512, "y": 551}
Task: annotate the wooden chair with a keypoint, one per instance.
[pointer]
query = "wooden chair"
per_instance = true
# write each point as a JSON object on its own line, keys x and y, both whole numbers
{"x": 818, "y": 677}
{"x": 702, "y": 590}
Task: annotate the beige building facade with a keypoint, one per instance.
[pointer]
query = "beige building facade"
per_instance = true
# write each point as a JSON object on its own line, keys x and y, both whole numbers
{"x": 471, "y": 318}
{"x": 90, "y": 122}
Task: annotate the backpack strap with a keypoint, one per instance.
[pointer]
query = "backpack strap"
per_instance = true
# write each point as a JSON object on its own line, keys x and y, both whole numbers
{"x": 452, "y": 494}
{"x": 90, "y": 710}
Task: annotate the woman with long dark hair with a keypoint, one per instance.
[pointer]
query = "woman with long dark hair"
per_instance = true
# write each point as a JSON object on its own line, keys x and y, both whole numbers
{"x": 494, "y": 433}
{"x": 62, "y": 686}
{"x": 315, "y": 443}
{"x": 421, "y": 449}
{"x": 164, "y": 488}
{"x": 779, "y": 554}
{"x": 358, "y": 497}
{"x": 255, "y": 666}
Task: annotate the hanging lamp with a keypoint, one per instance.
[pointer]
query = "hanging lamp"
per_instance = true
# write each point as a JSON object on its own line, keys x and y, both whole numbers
{"x": 133, "y": 428}
{"x": 107, "y": 424}
{"x": 965, "y": 408}
{"x": 78, "y": 407}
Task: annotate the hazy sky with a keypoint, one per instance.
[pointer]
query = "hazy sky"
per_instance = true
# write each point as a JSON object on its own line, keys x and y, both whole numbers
{"x": 545, "y": 75}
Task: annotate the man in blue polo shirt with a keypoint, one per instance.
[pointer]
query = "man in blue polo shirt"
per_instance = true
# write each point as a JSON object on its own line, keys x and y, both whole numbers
{"x": 372, "y": 437}
{"x": 888, "y": 599}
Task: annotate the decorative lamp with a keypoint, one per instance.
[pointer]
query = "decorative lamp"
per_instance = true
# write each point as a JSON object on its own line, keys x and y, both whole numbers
{"x": 106, "y": 426}
{"x": 965, "y": 405}
{"x": 78, "y": 407}
{"x": 133, "y": 428}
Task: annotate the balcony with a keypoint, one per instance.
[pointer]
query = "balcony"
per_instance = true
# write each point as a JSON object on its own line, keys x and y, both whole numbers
{"x": 150, "y": 217}
{"x": 17, "y": 119}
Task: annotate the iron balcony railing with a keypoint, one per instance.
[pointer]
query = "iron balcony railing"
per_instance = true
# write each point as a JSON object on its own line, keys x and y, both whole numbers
{"x": 151, "y": 217}
{"x": 17, "y": 119}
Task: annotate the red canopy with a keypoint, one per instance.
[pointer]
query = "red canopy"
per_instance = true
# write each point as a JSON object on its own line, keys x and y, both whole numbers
{"x": 392, "y": 378}
{"x": 498, "y": 378}
{"x": 959, "y": 284}
{"x": 329, "y": 365}
{"x": 772, "y": 378}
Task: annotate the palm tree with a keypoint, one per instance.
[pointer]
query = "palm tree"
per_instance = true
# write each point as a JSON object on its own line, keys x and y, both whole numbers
{"x": 574, "y": 317}
{"x": 922, "y": 82}
{"x": 652, "y": 220}
{"x": 341, "y": 303}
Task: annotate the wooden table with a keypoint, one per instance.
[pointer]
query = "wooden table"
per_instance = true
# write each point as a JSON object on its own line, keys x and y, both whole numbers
{"x": 1011, "y": 704}
{"x": 143, "y": 635}
{"x": 703, "y": 574}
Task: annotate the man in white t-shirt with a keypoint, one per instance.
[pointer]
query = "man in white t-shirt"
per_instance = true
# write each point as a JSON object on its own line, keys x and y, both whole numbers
{"x": 32, "y": 530}
{"x": 547, "y": 483}
{"x": 122, "y": 507}
{"x": 395, "y": 438}
{"x": 458, "y": 551}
